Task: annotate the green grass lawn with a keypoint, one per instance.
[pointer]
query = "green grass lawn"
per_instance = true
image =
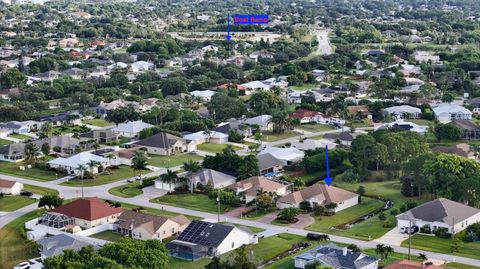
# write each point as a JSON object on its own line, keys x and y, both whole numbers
{"x": 4, "y": 142}
{"x": 392, "y": 257}
{"x": 271, "y": 137}
{"x": 98, "y": 122}
{"x": 156, "y": 212}
{"x": 14, "y": 247}
{"x": 127, "y": 190}
{"x": 13, "y": 202}
{"x": 20, "y": 136}
{"x": 32, "y": 173}
{"x": 193, "y": 201}
{"x": 313, "y": 128}
{"x": 108, "y": 235}
{"x": 215, "y": 148}
{"x": 324, "y": 223}
{"x": 39, "y": 190}
{"x": 123, "y": 172}
{"x": 361, "y": 123}
{"x": 171, "y": 161}
{"x": 304, "y": 87}
{"x": 442, "y": 245}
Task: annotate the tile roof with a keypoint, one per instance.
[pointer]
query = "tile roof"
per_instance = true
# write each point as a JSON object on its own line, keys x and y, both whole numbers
{"x": 267, "y": 160}
{"x": 7, "y": 183}
{"x": 151, "y": 223}
{"x": 303, "y": 113}
{"x": 87, "y": 209}
{"x": 329, "y": 194}
{"x": 252, "y": 184}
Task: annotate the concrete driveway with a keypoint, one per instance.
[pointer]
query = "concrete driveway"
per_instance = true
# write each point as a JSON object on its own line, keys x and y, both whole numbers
{"x": 393, "y": 237}
{"x": 304, "y": 220}
{"x": 150, "y": 193}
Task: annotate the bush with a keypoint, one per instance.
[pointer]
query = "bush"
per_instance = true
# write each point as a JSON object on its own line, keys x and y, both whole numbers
{"x": 305, "y": 206}
{"x": 425, "y": 229}
{"x": 390, "y": 223}
{"x": 408, "y": 205}
{"x": 147, "y": 182}
{"x": 382, "y": 216}
{"x": 443, "y": 233}
{"x": 394, "y": 212}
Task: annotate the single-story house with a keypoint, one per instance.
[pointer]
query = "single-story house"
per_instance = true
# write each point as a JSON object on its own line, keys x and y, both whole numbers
{"x": 426, "y": 57}
{"x": 55, "y": 245}
{"x": 166, "y": 144}
{"x": 309, "y": 144}
{"x": 263, "y": 121}
{"x": 268, "y": 164}
{"x": 251, "y": 185}
{"x": 253, "y": 86}
{"x": 469, "y": 130}
{"x": 237, "y": 125}
{"x": 204, "y": 239}
{"x": 60, "y": 144}
{"x": 404, "y": 126}
{"x": 72, "y": 163}
{"x": 305, "y": 115}
{"x": 445, "y": 112}
{"x": 287, "y": 155}
{"x": 462, "y": 150}
{"x": 403, "y": 112}
{"x": 10, "y": 187}
{"x": 84, "y": 212}
{"x": 319, "y": 195}
{"x": 147, "y": 227}
{"x": 331, "y": 255}
{"x": 203, "y": 137}
{"x": 440, "y": 213}
{"x": 204, "y": 95}
{"x": 12, "y": 152}
{"x": 141, "y": 66}
{"x": 216, "y": 178}
{"x": 360, "y": 111}
{"x": 101, "y": 136}
{"x": 131, "y": 129}
{"x": 475, "y": 102}
{"x": 20, "y": 127}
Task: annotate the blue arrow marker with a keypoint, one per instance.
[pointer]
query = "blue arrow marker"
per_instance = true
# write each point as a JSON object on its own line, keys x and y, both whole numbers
{"x": 328, "y": 179}
{"x": 228, "y": 28}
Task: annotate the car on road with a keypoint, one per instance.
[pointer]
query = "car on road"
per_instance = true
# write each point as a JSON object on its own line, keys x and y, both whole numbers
{"x": 26, "y": 193}
{"x": 130, "y": 180}
{"x": 317, "y": 237}
{"x": 142, "y": 177}
{"x": 22, "y": 265}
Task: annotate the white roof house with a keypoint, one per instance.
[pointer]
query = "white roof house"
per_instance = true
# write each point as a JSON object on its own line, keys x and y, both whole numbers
{"x": 403, "y": 111}
{"x": 264, "y": 121}
{"x": 142, "y": 66}
{"x": 131, "y": 128}
{"x": 205, "y": 95}
{"x": 256, "y": 85}
{"x": 202, "y": 137}
{"x": 72, "y": 163}
{"x": 447, "y": 112}
{"x": 404, "y": 125}
{"x": 119, "y": 65}
{"x": 309, "y": 144}
{"x": 287, "y": 155}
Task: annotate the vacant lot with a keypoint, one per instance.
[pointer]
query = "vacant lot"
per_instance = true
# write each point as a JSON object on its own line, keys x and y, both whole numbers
{"x": 31, "y": 173}
{"x": 108, "y": 235}
{"x": 39, "y": 190}
{"x": 123, "y": 172}
{"x": 271, "y": 137}
{"x": 98, "y": 122}
{"x": 193, "y": 201}
{"x": 313, "y": 128}
{"x": 171, "y": 161}
{"x": 442, "y": 245}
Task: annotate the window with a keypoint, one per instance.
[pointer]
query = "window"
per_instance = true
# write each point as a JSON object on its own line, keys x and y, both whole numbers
{"x": 173, "y": 230}
{"x": 233, "y": 244}
{"x": 140, "y": 234}
{"x": 164, "y": 232}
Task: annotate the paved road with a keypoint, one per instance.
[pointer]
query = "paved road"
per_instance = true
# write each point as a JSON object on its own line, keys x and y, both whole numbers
{"x": 7, "y": 218}
{"x": 324, "y": 46}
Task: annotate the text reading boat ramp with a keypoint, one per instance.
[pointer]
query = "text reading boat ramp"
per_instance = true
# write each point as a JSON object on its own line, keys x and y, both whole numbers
{"x": 250, "y": 19}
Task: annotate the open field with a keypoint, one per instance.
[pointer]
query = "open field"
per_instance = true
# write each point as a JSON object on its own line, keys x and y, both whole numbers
{"x": 34, "y": 173}
{"x": 155, "y": 211}
{"x": 20, "y": 136}
{"x": 313, "y": 128}
{"x": 4, "y": 142}
{"x": 171, "y": 161}
{"x": 98, "y": 122}
{"x": 39, "y": 190}
{"x": 192, "y": 201}
{"x": 271, "y": 137}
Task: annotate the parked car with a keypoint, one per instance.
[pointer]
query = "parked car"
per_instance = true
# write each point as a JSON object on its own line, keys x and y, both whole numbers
{"x": 413, "y": 229}
{"x": 142, "y": 177}
{"x": 22, "y": 265}
{"x": 130, "y": 180}
{"x": 317, "y": 237}
{"x": 26, "y": 193}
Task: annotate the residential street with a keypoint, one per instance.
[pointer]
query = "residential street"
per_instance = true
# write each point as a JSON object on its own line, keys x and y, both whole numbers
{"x": 102, "y": 192}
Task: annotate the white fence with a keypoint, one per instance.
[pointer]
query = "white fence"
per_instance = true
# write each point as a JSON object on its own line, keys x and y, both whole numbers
{"x": 96, "y": 230}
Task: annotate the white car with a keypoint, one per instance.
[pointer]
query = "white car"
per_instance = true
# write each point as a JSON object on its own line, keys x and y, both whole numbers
{"x": 142, "y": 177}
{"x": 130, "y": 180}
{"x": 22, "y": 265}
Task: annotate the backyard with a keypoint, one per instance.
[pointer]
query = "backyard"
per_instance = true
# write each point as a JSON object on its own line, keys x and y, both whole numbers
{"x": 30, "y": 173}
{"x": 271, "y": 137}
{"x": 11, "y": 203}
{"x": 14, "y": 248}
{"x": 108, "y": 235}
{"x": 155, "y": 211}
{"x": 215, "y": 148}
{"x": 4, "y": 142}
{"x": 313, "y": 128}
{"x": 20, "y": 136}
{"x": 123, "y": 172}
{"x": 171, "y": 161}
{"x": 442, "y": 245}
{"x": 192, "y": 201}
{"x": 98, "y": 122}
{"x": 127, "y": 190}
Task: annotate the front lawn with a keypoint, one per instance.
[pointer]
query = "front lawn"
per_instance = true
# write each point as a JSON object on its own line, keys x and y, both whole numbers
{"x": 442, "y": 245}
{"x": 127, "y": 190}
{"x": 13, "y": 202}
{"x": 108, "y": 235}
{"x": 123, "y": 172}
{"x": 98, "y": 122}
{"x": 361, "y": 123}
{"x": 39, "y": 190}
{"x": 155, "y": 211}
{"x": 14, "y": 247}
{"x": 171, "y": 161}
{"x": 392, "y": 257}
{"x": 4, "y": 142}
{"x": 20, "y": 136}
{"x": 304, "y": 87}
{"x": 192, "y": 201}
{"x": 271, "y": 137}
{"x": 34, "y": 173}
{"x": 324, "y": 223}
{"x": 215, "y": 148}
{"x": 314, "y": 128}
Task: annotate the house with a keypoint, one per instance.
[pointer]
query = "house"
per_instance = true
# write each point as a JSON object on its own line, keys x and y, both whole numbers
{"x": 475, "y": 102}
{"x": 469, "y": 130}
{"x": 60, "y": 144}
{"x": 204, "y": 95}
{"x": 20, "y": 127}
{"x": 330, "y": 255}
{"x": 75, "y": 73}
{"x": 236, "y": 125}
{"x": 209, "y": 176}
{"x": 166, "y": 144}
{"x": 305, "y": 115}
{"x": 10, "y": 187}
{"x": 287, "y": 155}
{"x": 403, "y": 112}
{"x": 406, "y": 264}
{"x": 345, "y": 138}
{"x": 12, "y": 152}
{"x": 147, "y": 227}
{"x": 401, "y": 125}
{"x": 320, "y": 75}
{"x": 260, "y": 54}
{"x": 360, "y": 111}
{"x": 55, "y": 245}
{"x": 4, "y": 132}
{"x": 252, "y": 185}
{"x": 210, "y": 137}
{"x": 204, "y": 239}
{"x": 268, "y": 164}
{"x": 445, "y": 112}
{"x": 101, "y": 136}
{"x": 440, "y": 213}
{"x": 131, "y": 129}
{"x": 264, "y": 122}
{"x": 253, "y": 86}
{"x": 319, "y": 195}
{"x": 310, "y": 144}
{"x": 426, "y": 57}
{"x": 7, "y": 94}
{"x": 62, "y": 119}
{"x": 462, "y": 150}
{"x": 71, "y": 164}
{"x": 68, "y": 42}
{"x": 142, "y": 66}
{"x": 374, "y": 53}
{"x": 320, "y": 95}
{"x": 84, "y": 212}
{"x": 103, "y": 108}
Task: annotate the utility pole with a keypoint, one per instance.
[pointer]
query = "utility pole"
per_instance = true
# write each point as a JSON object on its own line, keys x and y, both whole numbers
{"x": 218, "y": 207}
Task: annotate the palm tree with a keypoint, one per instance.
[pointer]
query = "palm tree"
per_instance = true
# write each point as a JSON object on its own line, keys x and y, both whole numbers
{"x": 139, "y": 161}
{"x": 170, "y": 177}
{"x": 47, "y": 129}
{"x": 82, "y": 168}
{"x": 31, "y": 153}
{"x": 110, "y": 157}
{"x": 91, "y": 165}
{"x": 279, "y": 121}
{"x": 207, "y": 134}
{"x": 383, "y": 251}
{"x": 422, "y": 257}
{"x": 191, "y": 167}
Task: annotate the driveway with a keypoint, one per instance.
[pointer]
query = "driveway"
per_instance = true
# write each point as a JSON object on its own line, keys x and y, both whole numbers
{"x": 150, "y": 193}
{"x": 304, "y": 220}
{"x": 268, "y": 218}
{"x": 236, "y": 212}
{"x": 393, "y": 237}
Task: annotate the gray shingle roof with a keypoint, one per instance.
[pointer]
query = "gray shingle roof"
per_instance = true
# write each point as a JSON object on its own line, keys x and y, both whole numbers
{"x": 160, "y": 140}
{"x": 267, "y": 160}
{"x": 55, "y": 245}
